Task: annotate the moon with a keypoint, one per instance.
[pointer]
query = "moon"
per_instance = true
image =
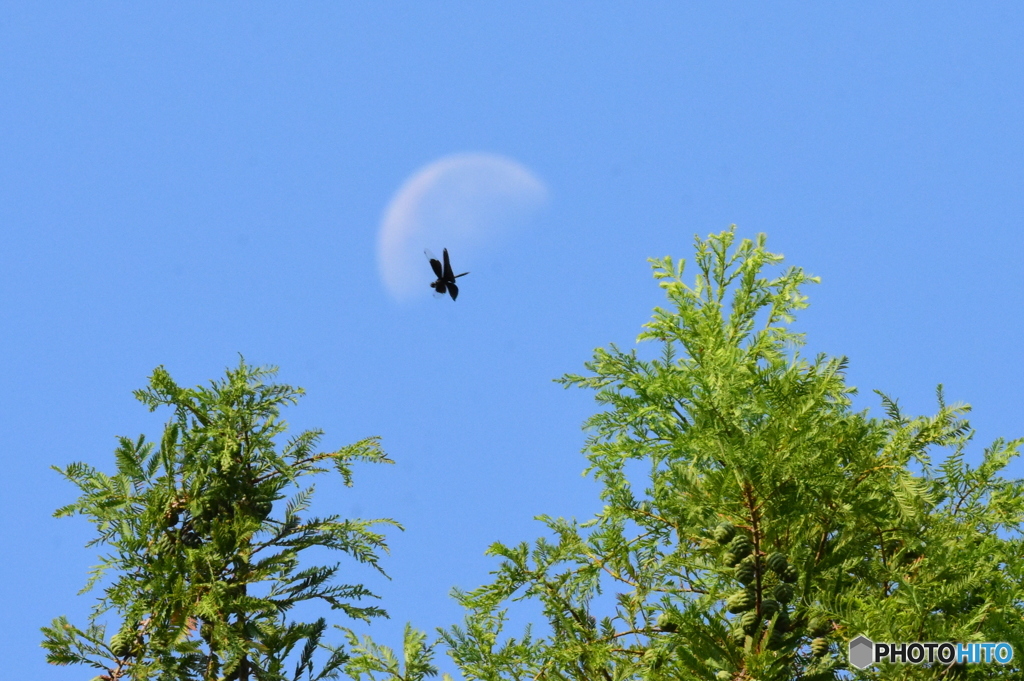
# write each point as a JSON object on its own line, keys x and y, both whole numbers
{"x": 461, "y": 202}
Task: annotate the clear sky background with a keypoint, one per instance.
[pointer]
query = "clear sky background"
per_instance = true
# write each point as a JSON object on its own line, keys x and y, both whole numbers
{"x": 180, "y": 183}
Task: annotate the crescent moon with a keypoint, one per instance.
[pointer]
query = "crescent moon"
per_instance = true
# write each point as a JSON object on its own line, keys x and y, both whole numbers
{"x": 460, "y": 202}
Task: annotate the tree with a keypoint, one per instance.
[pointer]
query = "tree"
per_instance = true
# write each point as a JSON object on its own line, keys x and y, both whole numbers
{"x": 204, "y": 564}
{"x": 753, "y": 521}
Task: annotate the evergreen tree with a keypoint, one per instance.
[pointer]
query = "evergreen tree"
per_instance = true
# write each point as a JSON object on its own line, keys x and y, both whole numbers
{"x": 205, "y": 542}
{"x": 753, "y": 522}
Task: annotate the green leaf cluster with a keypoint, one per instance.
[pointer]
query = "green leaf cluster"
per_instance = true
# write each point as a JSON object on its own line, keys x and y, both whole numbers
{"x": 368, "y": 659}
{"x": 753, "y": 522}
{"x": 205, "y": 532}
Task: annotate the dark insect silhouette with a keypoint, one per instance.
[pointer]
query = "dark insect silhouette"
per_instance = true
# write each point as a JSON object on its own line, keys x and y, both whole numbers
{"x": 445, "y": 278}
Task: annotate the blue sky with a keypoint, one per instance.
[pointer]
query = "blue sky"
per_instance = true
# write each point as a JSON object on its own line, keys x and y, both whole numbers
{"x": 180, "y": 183}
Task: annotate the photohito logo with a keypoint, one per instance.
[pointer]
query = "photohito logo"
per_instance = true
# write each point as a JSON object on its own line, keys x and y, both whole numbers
{"x": 864, "y": 652}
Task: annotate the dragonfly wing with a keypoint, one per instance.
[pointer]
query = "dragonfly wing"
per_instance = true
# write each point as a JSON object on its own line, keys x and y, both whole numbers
{"x": 448, "y": 276}
{"x": 453, "y": 290}
{"x": 435, "y": 264}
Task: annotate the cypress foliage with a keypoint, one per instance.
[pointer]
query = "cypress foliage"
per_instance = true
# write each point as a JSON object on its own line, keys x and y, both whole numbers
{"x": 771, "y": 522}
{"x": 205, "y": 532}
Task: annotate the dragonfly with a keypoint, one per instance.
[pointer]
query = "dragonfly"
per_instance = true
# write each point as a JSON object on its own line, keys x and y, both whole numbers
{"x": 445, "y": 279}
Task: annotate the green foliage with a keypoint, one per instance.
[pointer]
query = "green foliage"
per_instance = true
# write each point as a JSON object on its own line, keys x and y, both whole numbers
{"x": 202, "y": 572}
{"x": 369, "y": 659}
{"x": 748, "y": 449}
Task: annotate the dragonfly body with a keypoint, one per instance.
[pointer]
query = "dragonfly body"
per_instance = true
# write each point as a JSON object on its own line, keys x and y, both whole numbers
{"x": 445, "y": 282}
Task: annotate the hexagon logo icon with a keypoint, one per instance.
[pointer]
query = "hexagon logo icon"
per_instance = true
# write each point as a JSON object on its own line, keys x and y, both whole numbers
{"x": 862, "y": 651}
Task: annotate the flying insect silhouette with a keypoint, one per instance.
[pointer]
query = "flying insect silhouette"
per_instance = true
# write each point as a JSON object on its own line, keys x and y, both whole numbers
{"x": 445, "y": 278}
